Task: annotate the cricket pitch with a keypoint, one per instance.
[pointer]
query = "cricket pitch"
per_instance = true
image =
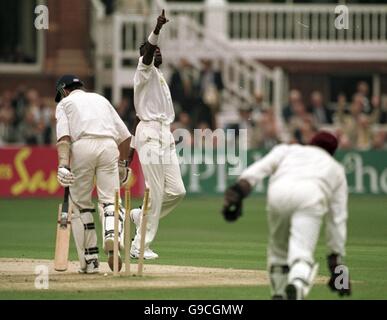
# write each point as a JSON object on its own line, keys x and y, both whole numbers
{"x": 19, "y": 275}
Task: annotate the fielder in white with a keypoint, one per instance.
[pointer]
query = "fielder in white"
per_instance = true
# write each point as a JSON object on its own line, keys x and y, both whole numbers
{"x": 306, "y": 185}
{"x": 154, "y": 141}
{"x": 93, "y": 145}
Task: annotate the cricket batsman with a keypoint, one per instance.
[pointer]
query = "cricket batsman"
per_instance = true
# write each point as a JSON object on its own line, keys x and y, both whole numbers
{"x": 154, "y": 141}
{"x": 306, "y": 185}
{"x": 93, "y": 145}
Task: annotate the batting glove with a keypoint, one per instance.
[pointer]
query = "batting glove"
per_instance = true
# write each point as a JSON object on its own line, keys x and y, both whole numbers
{"x": 65, "y": 177}
{"x": 124, "y": 172}
{"x": 339, "y": 281}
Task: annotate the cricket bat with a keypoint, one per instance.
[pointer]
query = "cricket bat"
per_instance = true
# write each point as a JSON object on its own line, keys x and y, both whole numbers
{"x": 63, "y": 234}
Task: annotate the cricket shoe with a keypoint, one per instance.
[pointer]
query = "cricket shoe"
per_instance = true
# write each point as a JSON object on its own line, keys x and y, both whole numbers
{"x": 92, "y": 267}
{"x": 148, "y": 254}
{"x": 111, "y": 261}
{"x": 294, "y": 292}
{"x": 135, "y": 217}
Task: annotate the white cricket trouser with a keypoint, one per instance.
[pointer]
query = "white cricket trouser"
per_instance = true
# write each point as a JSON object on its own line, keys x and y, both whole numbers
{"x": 92, "y": 159}
{"x": 157, "y": 153}
{"x": 295, "y": 211}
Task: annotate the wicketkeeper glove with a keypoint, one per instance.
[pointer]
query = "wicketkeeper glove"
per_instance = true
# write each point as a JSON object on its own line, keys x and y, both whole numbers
{"x": 339, "y": 281}
{"x": 65, "y": 177}
{"x": 233, "y": 204}
{"x": 124, "y": 172}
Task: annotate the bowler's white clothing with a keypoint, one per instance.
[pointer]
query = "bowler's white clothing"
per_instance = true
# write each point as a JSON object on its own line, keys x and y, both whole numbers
{"x": 152, "y": 97}
{"x": 86, "y": 114}
{"x": 155, "y": 146}
{"x": 157, "y": 153}
{"x": 306, "y": 184}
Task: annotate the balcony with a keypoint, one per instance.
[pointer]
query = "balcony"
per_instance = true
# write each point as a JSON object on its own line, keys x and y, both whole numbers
{"x": 295, "y": 31}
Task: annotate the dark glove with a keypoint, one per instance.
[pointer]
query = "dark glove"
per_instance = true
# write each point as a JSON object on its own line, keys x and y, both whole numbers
{"x": 339, "y": 281}
{"x": 232, "y": 208}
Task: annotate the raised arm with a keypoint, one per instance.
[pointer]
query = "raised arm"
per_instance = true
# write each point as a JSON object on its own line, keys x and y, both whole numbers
{"x": 151, "y": 44}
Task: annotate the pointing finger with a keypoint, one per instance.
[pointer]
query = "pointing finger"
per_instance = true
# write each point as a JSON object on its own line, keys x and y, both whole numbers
{"x": 163, "y": 13}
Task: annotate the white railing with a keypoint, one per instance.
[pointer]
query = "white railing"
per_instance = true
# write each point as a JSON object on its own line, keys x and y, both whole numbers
{"x": 280, "y": 22}
{"x": 118, "y": 39}
{"x": 187, "y": 39}
{"x": 292, "y": 22}
{"x": 195, "y": 11}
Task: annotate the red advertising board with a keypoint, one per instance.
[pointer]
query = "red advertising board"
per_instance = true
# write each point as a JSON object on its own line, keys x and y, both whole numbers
{"x": 31, "y": 172}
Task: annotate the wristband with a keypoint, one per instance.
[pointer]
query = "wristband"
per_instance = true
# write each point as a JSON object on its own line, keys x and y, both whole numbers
{"x": 123, "y": 163}
{"x": 153, "y": 39}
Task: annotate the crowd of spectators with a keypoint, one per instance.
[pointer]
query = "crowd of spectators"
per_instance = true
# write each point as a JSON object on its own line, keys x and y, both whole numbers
{"x": 28, "y": 118}
{"x": 358, "y": 123}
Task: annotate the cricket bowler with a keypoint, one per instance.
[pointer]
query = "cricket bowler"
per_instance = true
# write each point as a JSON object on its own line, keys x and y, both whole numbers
{"x": 93, "y": 145}
{"x": 154, "y": 141}
{"x": 306, "y": 185}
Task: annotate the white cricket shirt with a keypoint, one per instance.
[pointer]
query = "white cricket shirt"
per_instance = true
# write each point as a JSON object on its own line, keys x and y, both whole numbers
{"x": 152, "y": 98}
{"x": 82, "y": 114}
{"x": 313, "y": 173}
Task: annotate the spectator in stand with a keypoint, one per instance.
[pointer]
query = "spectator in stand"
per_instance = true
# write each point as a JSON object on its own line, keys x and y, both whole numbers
{"x": 42, "y": 114}
{"x": 7, "y": 117}
{"x": 363, "y": 90}
{"x": 259, "y": 106}
{"x": 126, "y": 112}
{"x": 363, "y": 133}
{"x": 52, "y": 132}
{"x": 379, "y": 141}
{"x": 383, "y": 110}
{"x": 30, "y": 131}
{"x": 307, "y": 131}
{"x": 344, "y": 142}
{"x": 19, "y": 103}
{"x": 210, "y": 90}
{"x": 183, "y": 122}
{"x": 295, "y": 99}
{"x": 246, "y": 122}
{"x": 348, "y": 122}
{"x": 320, "y": 112}
{"x": 182, "y": 86}
{"x": 299, "y": 117}
{"x": 340, "y": 108}
{"x": 269, "y": 135}
{"x": 376, "y": 114}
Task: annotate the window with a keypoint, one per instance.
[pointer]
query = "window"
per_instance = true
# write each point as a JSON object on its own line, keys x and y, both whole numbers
{"x": 20, "y": 42}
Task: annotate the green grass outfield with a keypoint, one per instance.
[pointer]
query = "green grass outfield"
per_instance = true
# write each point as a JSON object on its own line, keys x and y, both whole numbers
{"x": 196, "y": 235}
